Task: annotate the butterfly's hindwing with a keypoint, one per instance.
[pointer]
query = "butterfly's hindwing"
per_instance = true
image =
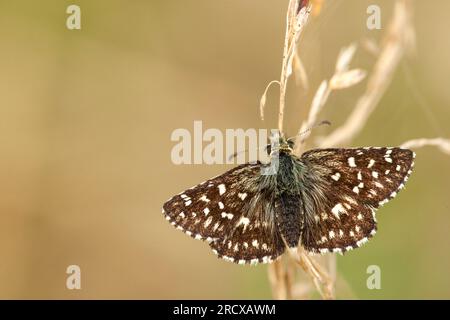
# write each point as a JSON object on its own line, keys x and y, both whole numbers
{"x": 252, "y": 241}
{"x": 354, "y": 183}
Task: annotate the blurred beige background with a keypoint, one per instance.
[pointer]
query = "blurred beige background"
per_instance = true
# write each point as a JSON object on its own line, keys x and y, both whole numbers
{"x": 85, "y": 125}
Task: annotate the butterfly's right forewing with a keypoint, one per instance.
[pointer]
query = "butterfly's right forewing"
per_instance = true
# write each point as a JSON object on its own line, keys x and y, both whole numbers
{"x": 351, "y": 184}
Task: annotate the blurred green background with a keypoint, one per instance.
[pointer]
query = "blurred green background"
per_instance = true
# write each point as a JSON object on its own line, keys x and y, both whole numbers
{"x": 86, "y": 118}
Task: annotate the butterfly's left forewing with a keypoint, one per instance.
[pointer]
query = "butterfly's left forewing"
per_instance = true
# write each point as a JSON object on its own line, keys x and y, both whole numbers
{"x": 352, "y": 183}
{"x": 229, "y": 213}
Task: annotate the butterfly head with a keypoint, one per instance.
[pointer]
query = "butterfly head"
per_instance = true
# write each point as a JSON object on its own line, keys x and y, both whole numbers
{"x": 281, "y": 145}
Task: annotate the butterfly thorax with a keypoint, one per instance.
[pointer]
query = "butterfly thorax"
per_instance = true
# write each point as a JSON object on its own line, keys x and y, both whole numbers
{"x": 289, "y": 173}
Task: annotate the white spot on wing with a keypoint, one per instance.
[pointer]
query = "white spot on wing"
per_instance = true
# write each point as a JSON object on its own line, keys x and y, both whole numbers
{"x": 337, "y": 209}
{"x": 361, "y": 242}
{"x": 351, "y": 162}
{"x": 222, "y": 189}
{"x": 244, "y": 221}
{"x": 359, "y": 175}
{"x": 242, "y": 196}
{"x": 227, "y": 215}
{"x": 336, "y": 176}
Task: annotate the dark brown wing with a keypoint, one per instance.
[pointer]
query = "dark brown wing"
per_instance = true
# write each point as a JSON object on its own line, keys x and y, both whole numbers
{"x": 231, "y": 214}
{"x": 352, "y": 183}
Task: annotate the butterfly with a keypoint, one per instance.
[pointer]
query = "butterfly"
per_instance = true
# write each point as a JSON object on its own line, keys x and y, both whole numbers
{"x": 324, "y": 200}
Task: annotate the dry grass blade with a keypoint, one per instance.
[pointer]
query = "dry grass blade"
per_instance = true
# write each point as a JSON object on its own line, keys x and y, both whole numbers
{"x": 320, "y": 97}
{"x": 347, "y": 79}
{"x": 398, "y": 40}
{"x": 322, "y": 281}
{"x": 295, "y": 21}
{"x": 277, "y": 279}
{"x": 300, "y": 72}
{"x": 441, "y": 143}
{"x": 263, "y": 100}
{"x": 344, "y": 58}
{"x": 341, "y": 79}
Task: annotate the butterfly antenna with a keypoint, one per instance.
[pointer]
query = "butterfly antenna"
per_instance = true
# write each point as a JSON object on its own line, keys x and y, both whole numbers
{"x": 234, "y": 155}
{"x": 321, "y": 123}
